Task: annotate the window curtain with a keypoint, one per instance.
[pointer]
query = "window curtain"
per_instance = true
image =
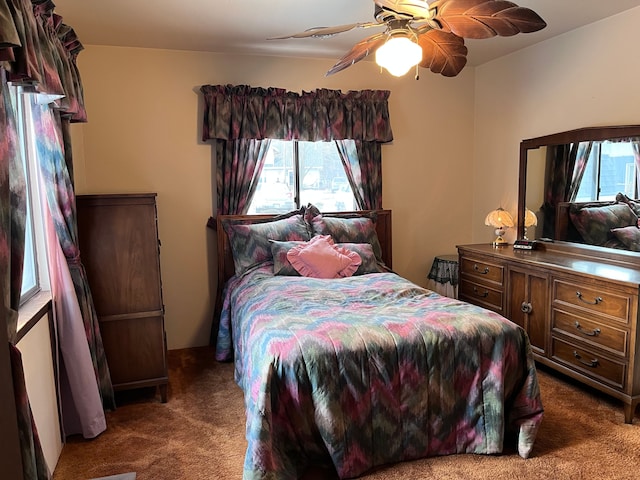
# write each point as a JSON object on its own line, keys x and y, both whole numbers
{"x": 235, "y": 185}
{"x": 39, "y": 51}
{"x": 236, "y": 113}
{"x": 364, "y": 172}
{"x": 84, "y": 410}
{"x": 12, "y": 239}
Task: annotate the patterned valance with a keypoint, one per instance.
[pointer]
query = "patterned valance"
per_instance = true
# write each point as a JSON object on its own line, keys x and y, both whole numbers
{"x": 38, "y": 50}
{"x": 244, "y": 112}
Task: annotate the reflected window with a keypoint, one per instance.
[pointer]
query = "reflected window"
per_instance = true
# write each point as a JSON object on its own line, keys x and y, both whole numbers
{"x": 611, "y": 168}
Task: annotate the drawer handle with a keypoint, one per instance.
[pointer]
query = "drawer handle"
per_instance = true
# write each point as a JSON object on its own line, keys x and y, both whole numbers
{"x": 477, "y": 269}
{"x": 526, "y": 307}
{"x": 596, "y": 301}
{"x": 593, "y": 333}
{"x": 593, "y": 363}
{"x": 485, "y": 294}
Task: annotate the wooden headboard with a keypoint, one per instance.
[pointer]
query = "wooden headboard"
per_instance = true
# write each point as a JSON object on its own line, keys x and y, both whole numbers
{"x": 565, "y": 230}
{"x": 225, "y": 256}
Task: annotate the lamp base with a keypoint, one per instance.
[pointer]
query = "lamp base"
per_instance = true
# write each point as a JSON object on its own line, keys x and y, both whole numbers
{"x": 500, "y": 241}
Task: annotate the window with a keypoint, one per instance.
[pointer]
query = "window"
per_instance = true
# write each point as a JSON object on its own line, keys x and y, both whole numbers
{"x": 296, "y": 173}
{"x": 611, "y": 168}
{"x": 34, "y": 276}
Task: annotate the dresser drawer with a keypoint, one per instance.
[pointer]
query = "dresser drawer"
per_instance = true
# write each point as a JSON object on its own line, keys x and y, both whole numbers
{"x": 480, "y": 295}
{"x": 589, "y": 363}
{"x": 481, "y": 270}
{"x": 588, "y": 330}
{"x": 591, "y": 299}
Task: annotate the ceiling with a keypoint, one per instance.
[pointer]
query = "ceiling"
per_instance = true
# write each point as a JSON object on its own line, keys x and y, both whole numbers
{"x": 242, "y": 26}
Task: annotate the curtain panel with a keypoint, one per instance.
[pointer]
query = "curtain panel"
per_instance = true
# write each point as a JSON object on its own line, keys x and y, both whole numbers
{"x": 37, "y": 51}
{"x": 244, "y": 112}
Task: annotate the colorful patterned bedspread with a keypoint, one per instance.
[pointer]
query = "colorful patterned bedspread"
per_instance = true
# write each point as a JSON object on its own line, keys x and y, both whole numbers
{"x": 363, "y": 371}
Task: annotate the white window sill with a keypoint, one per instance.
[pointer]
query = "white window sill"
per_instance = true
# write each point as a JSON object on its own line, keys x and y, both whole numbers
{"x": 32, "y": 311}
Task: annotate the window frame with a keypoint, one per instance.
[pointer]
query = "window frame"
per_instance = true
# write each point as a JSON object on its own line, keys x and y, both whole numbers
{"x": 297, "y": 191}
{"x": 35, "y": 233}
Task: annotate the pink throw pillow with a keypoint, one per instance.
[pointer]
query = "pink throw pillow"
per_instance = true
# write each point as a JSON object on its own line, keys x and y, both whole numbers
{"x": 320, "y": 258}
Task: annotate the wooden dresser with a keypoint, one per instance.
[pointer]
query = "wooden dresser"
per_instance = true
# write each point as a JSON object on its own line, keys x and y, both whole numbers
{"x": 120, "y": 249}
{"x": 580, "y": 311}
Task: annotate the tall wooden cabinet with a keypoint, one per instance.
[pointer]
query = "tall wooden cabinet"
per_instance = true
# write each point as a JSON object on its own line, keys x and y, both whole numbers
{"x": 120, "y": 249}
{"x": 580, "y": 311}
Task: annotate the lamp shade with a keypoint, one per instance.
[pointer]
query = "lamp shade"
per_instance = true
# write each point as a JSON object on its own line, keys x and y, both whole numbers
{"x": 398, "y": 55}
{"x": 499, "y": 218}
{"x": 530, "y": 218}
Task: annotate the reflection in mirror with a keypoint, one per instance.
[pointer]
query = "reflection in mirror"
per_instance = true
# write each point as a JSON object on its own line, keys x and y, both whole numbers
{"x": 581, "y": 186}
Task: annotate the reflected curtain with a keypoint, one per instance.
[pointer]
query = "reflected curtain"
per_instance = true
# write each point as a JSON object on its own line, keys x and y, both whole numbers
{"x": 635, "y": 143}
{"x": 38, "y": 51}
{"x": 564, "y": 173}
{"x": 579, "y": 166}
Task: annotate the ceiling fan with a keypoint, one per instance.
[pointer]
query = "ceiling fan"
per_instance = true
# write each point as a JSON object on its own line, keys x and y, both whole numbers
{"x": 429, "y": 33}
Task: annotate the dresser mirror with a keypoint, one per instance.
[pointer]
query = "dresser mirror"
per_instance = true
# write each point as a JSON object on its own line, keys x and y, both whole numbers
{"x": 538, "y": 173}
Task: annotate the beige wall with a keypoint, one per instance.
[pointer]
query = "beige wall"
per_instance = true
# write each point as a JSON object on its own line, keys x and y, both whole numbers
{"x": 37, "y": 356}
{"x": 143, "y": 134}
{"x": 456, "y": 140}
{"x": 588, "y": 77}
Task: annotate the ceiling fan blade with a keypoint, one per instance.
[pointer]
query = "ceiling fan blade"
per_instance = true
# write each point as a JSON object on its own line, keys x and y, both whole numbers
{"x": 413, "y": 8}
{"x": 327, "y": 31}
{"x": 442, "y": 52}
{"x": 486, "y": 18}
{"x": 358, "y": 52}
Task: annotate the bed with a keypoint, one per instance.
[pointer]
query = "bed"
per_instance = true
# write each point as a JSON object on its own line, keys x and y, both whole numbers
{"x": 611, "y": 224}
{"x": 366, "y": 368}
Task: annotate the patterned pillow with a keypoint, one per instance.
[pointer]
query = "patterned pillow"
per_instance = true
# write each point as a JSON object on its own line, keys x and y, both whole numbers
{"x": 356, "y": 229}
{"x": 629, "y": 236}
{"x": 249, "y": 239}
{"x": 595, "y": 223}
{"x": 634, "y": 204}
{"x": 281, "y": 264}
{"x": 320, "y": 258}
{"x": 369, "y": 261}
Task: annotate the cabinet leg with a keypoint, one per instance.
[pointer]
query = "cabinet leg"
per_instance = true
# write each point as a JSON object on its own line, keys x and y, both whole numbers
{"x": 629, "y": 411}
{"x": 163, "y": 392}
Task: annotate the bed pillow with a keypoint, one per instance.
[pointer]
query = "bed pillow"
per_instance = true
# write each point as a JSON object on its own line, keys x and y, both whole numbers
{"x": 281, "y": 264}
{"x": 595, "y": 223}
{"x": 356, "y": 229}
{"x": 629, "y": 236}
{"x": 249, "y": 239}
{"x": 320, "y": 258}
{"x": 369, "y": 261}
{"x": 633, "y": 204}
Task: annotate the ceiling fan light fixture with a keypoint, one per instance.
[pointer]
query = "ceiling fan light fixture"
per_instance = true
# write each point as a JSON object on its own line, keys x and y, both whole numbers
{"x": 398, "y": 55}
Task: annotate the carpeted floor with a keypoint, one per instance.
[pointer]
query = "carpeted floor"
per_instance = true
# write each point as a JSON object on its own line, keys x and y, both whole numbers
{"x": 199, "y": 434}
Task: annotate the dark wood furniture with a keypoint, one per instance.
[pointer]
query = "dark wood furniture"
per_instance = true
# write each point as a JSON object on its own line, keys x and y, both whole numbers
{"x": 578, "y": 305}
{"x": 120, "y": 249}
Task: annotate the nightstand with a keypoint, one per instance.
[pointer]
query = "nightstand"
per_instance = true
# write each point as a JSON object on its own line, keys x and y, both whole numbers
{"x": 443, "y": 277}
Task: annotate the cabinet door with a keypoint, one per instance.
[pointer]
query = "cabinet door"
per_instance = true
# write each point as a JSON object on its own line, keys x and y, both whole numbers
{"x": 528, "y": 305}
